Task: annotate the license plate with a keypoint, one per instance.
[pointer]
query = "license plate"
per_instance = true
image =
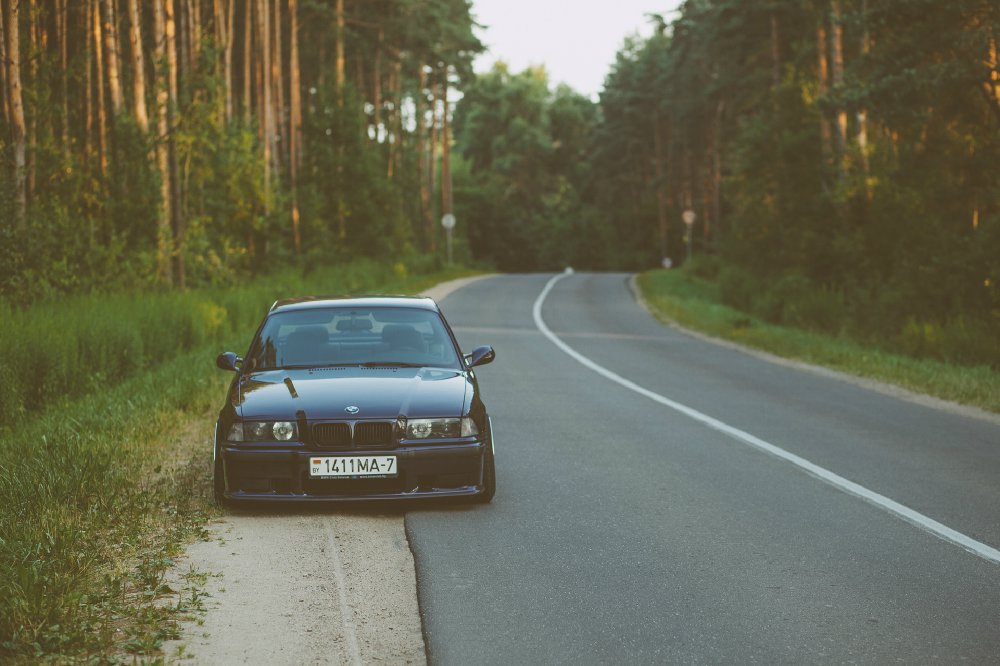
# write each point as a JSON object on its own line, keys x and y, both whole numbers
{"x": 339, "y": 467}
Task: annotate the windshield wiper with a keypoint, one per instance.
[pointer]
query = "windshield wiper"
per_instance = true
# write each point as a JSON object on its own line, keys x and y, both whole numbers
{"x": 390, "y": 364}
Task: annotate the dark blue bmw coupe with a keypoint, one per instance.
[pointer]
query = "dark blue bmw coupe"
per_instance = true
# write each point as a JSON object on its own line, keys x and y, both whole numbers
{"x": 354, "y": 399}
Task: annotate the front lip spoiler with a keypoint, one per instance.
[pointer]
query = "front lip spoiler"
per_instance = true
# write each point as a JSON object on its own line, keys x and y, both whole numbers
{"x": 464, "y": 491}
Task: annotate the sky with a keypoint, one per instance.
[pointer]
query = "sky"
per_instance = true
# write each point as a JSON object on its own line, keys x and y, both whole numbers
{"x": 576, "y": 40}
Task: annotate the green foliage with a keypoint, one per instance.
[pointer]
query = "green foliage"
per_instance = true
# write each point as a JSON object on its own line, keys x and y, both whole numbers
{"x": 345, "y": 181}
{"x": 525, "y": 148}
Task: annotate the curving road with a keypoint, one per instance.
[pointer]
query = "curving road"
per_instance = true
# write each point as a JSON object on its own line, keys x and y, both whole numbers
{"x": 628, "y": 530}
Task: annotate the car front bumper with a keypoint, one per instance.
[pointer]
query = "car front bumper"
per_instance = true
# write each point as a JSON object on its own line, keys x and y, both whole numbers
{"x": 281, "y": 474}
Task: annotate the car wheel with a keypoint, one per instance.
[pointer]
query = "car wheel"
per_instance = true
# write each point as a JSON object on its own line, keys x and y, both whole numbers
{"x": 489, "y": 480}
{"x": 219, "y": 479}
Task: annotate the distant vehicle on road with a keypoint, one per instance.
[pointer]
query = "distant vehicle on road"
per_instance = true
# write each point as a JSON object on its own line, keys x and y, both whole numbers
{"x": 354, "y": 399}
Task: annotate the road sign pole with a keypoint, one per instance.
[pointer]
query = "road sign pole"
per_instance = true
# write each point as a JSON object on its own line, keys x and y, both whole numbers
{"x": 688, "y": 217}
{"x": 448, "y": 222}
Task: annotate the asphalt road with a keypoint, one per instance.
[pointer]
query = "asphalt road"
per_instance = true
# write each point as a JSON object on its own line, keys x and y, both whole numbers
{"x": 624, "y": 531}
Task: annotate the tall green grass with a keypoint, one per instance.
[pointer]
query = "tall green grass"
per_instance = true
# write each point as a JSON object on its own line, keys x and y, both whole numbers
{"x": 695, "y": 300}
{"x": 68, "y": 348}
{"x": 94, "y": 509}
{"x": 98, "y": 492}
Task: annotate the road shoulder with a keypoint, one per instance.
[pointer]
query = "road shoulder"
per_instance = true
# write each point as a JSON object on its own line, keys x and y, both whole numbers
{"x": 333, "y": 586}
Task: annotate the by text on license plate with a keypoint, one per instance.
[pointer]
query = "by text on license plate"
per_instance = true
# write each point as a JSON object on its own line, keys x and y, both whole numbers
{"x": 352, "y": 466}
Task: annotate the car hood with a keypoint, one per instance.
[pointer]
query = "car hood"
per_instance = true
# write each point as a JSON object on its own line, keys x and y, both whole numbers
{"x": 378, "y": 393}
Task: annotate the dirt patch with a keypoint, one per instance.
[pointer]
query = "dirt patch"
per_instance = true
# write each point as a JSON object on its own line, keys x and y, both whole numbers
{"x": 304, "y": 588}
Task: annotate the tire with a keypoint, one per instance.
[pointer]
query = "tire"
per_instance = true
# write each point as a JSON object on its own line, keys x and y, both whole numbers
{"x": 489, "y": 480}
{"x": 219, "y": 479}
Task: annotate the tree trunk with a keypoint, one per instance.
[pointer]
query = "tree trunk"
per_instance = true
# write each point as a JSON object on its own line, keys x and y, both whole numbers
{"x": 446, "y": 198}
{"x": 111, "y": 48}
{"x": 360, "y": 89}
{"x": 775, "y": 51}
{"x": 222, "y": 12}
{"x": 716, "y": 207}
{"x": 339, "y": 71}
{"x": 339, "y": 82}
{"x": 182, "y": 37}
{"x": 62, "y": 25}
{"x": 823, "y": 77}
{"x": 267, "y": 117}
{"x": 227, "y": 55}
{"x": 295, "y": 112}
{"x": 425, "y": 195}
{"x": 177, "y": 194}
{"x": 102, "y": 122}
{"x": 17, "y": 116}
{"x": 992, "y": 86}
{"x": 4, "y": 71}
{"x": 862, "y": 115}
{"x": 31, "y": 114}
{"x": 837, "y": 74}
{"x": 278, "y": 82}
{"x": 247, "y": 41}
{"x": 194, "y": 41}
{"x": 377, "y": 85}
{"x": 164, "y": 221}
{"x": 662, "y": 210}
{"x": 393, "y": 135}
{"x": 429, "y": 227}
{"x": 88, "y": 110}
{"x": 138, "y": 66}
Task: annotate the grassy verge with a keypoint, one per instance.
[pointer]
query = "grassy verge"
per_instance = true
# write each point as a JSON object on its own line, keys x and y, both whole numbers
{"x": 676, "y": 296}
{"x": 68, "y": 348}
{"x": 100, "y": 493}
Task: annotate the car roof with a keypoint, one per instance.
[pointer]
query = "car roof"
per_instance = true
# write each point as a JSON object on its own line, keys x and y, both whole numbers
{"x": 316, "y": 302}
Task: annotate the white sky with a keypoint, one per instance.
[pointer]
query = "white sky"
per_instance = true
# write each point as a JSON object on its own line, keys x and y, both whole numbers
{"x": 576, "y": 40}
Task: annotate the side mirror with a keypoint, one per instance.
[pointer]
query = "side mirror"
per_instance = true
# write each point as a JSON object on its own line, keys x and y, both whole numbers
{"x": 480, "y": 356}
{"x": 228, "y": 361}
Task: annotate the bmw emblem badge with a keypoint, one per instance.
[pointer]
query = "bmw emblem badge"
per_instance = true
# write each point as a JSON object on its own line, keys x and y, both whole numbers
{"x": 353, "y": 409}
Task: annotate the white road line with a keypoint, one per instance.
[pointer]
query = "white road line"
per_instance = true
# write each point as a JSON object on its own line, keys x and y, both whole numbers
{"x": 895, "y": 508}
{"x": 346, "y": 612}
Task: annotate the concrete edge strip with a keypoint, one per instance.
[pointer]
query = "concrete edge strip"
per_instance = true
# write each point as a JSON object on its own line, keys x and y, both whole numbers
{"x": 890, "y": 506}
{"x": 441, "y": 291}
{"x": 346, "y": 612}
{"x": 884, "y": 388}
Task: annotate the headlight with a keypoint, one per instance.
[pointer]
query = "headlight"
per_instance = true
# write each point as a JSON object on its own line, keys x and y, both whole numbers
{"x": 440, "y": 428}
{"x": 262, "y": 431}
{"x": 283, "y": 430}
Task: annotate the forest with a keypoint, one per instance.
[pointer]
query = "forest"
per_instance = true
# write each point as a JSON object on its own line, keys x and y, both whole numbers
{"x": 838, "y": 156}
{"x": 173, "y": 143}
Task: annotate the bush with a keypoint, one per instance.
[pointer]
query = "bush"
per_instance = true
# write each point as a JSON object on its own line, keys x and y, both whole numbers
{"x": 970, "y": 343}
{"x": 920, "y": 339}
{"x": 736, "y": 288}
{"x": 704, "y": 266}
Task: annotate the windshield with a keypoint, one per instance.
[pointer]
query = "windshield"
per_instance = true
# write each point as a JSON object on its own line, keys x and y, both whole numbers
{"x": 346, "y": 336}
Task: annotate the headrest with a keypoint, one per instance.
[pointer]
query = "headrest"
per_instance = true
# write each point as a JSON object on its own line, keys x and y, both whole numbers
{"x": 354, "y": 324}
{"x": 308, "y": 335}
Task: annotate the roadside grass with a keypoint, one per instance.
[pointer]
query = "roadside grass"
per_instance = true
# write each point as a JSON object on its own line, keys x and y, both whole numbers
{"x": 95, "y": 507}
{"x": 99, "y": 494}
{"x": 73, "y": 346}
{"x": 682, "y": 298}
